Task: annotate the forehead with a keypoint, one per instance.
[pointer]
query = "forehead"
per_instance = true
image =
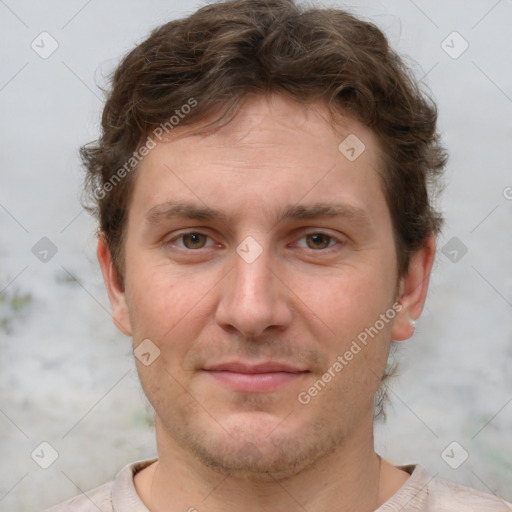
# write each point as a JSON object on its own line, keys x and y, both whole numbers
{"x": 279, "y": 122}
{"x": 275, "y": 150}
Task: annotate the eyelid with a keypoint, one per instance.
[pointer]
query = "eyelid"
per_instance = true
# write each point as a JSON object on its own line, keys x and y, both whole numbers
{"x": 340, "y": 241}
{"x": 179, "y": 235}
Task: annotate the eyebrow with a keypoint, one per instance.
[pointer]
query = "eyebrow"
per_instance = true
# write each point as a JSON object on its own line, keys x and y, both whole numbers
{"x": 179, "y": 209}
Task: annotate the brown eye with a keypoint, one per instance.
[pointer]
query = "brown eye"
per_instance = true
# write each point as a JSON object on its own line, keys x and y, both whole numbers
{"x": 194, "y": 240}
{"x": 318, "y": 241}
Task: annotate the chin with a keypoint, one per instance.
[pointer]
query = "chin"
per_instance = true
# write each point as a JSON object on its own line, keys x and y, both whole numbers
{"x": 252, "y": 451}
{"x": 251, "y": 461}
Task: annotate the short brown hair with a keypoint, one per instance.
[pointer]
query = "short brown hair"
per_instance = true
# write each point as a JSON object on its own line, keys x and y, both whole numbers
{"x": 213, "y": 59}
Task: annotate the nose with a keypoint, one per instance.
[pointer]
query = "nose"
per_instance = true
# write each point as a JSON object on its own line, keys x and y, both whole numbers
{"x": 254, "y": 297}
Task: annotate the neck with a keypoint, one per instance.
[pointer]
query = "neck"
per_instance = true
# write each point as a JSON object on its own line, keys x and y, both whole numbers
{"x": 353, "y": 477}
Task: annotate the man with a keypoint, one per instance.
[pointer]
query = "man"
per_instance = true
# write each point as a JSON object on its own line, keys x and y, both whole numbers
{"x": 265, "y": 232}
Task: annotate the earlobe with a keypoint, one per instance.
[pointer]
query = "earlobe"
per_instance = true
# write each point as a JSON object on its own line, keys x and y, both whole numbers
{"x": 115, "y": 290}
{"x": 413, "y": 290}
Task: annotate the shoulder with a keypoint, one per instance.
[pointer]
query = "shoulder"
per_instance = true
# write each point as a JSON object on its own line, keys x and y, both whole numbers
{"x": 99, "y": 499}
{"x": 120, "y": 494}
{"x": 449, "y": 496}
{"x": 426, "y": 493}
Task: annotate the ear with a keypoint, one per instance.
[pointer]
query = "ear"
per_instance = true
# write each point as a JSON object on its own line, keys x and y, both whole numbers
{"x": 115, "y": 290}
{"x": 412, "y": 291}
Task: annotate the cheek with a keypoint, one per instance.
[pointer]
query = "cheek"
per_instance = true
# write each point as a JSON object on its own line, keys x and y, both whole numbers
{"x": 152, "y": 304}
{"x": 169, "y": 308}
{"x": 349, "y": 301}
{"x": 350, "y": 327}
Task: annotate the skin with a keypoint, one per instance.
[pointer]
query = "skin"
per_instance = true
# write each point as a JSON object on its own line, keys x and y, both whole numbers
{"x": 302, "y": 301}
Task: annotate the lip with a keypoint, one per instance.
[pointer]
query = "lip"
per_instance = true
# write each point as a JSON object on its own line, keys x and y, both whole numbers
{"x": 255, "y": 378}
{"x": 265, "y": 367}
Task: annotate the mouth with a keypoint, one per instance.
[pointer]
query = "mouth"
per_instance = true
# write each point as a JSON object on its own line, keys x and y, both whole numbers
{"x": 255, "y": 378}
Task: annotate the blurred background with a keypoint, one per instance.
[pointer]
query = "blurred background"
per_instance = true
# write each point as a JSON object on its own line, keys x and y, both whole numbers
{"x": 67, "y": 378}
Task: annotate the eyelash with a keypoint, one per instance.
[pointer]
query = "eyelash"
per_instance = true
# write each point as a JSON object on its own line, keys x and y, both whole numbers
{"x": 330, "y": 249}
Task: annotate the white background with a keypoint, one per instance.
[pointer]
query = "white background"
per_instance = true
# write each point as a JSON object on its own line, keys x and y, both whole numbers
{"x": 66, "y": 374}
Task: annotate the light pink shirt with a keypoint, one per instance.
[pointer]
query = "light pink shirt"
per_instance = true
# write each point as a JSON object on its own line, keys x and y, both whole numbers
{"x": 421, "y": 493}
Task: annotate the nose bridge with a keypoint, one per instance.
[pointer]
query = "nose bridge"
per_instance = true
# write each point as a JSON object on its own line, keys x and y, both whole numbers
{"x": 252, "y": 276}
{"x": 253, "y": 298}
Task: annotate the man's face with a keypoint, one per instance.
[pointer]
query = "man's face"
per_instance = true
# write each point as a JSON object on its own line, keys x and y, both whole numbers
{"x": 251, "y": 309}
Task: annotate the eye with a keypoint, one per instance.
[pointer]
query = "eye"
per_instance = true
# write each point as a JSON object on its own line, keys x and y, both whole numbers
{"x": 194, "y": 240}
{"x": 318, "y": 240}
